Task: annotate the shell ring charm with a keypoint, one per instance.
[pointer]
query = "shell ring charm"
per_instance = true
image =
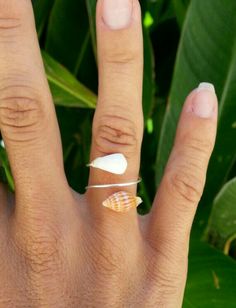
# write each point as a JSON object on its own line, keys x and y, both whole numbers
{"x": 121, "y": 201}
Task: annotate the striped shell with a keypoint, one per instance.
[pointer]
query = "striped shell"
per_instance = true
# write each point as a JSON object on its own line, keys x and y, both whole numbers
{"x": 122, "y": 202}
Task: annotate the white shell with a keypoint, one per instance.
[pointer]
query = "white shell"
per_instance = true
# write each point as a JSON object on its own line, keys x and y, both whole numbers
{"x": 113, "y": 163}
{"x": 2, "y": 144}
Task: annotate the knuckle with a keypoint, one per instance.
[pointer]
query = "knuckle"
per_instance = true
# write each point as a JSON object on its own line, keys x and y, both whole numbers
{"x": 39, "y": 246}
{"x": 20, "y": 113}
{"x": 14, "y": 9}
{"x": 116, "y": 133}
{"x": 165, "y": 282}
{"x": 12, "y": 16}
{"x": 121, "y": 57}
{"x": 40, "y": 256}
{"x": 201, "y": 146}
{"x": 167, "y": 278}
{"x": 9, "y": 30}
{"x": 170, "y": 244}
{"x": 184, "y": 185}
{"x": 107, "y": 262}
{"x": 7, "y": 24}
{"x": 108, "y": 258}
{"x": 117, "y": 54}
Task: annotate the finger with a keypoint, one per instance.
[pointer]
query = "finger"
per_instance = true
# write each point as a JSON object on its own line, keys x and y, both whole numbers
{"x": 4, "y": 210}
{"x": 118, "y": 121}
{"x": 27, "y": 116}
{"x": 183, "y": 182}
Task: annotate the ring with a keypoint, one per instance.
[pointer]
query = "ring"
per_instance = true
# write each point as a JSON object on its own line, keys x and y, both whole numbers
{"x": 131, "y": 183}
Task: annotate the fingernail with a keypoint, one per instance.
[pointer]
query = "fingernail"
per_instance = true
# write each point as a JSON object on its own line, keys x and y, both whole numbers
{"x": 203, "y": 104}
{"x": 206, "y": 86}
{"x": 117, "y": 13}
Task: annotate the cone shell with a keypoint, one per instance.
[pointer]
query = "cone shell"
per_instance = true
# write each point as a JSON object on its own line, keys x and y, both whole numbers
{"x": 113, "y": 163}
{"x": 122, "y": 201}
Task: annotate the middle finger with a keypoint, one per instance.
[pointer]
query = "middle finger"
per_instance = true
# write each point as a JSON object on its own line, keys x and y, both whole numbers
{"x": 118, "y": 121}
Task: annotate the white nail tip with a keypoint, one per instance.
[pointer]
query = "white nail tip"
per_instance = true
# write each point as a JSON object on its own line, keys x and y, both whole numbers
{"x": 206, "y": 86}
{"x": 113, "y": 163}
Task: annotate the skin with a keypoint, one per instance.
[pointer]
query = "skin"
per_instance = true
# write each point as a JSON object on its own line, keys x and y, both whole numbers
{"x": 61, "y": 249}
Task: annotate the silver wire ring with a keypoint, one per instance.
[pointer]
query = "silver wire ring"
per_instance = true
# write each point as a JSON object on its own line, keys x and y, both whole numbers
{"x": 114, "y": 185}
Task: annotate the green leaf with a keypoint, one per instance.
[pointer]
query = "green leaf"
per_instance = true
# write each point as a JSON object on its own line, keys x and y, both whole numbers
{"x": 41, "y": 11}
{"x": 211, "y": 278}
{"x": 68, "y": 33}
{"x": 155, "y": 8}
{"x": 75, "y": 128}
{"x": 160, "y": 10}
{"x": 66, "y": 89}
{"x": 69, "y": 40}
{"x": 221, "y": 228}
{"x": 207, "y": 52}
{"x": 181, "y": 7}
{"x": 91, "y": 7}
{"x": 6, "y": 167}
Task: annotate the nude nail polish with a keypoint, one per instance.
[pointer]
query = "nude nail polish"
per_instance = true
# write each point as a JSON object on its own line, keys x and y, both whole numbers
{"x": 117, "y": 13}
{"x": 204, "y": 101}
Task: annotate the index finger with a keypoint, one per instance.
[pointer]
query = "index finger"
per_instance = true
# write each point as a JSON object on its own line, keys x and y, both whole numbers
{"x": 27, "y": 116}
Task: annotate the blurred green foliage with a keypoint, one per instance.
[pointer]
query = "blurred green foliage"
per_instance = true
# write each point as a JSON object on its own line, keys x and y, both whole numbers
{"x": 185, "y": 42}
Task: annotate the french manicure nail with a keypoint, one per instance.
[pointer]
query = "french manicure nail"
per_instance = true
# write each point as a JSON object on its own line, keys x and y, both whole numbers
{"x": 203, "y": 104}
{"x": 117, "y": 13}
{"x": 206, "y": 86}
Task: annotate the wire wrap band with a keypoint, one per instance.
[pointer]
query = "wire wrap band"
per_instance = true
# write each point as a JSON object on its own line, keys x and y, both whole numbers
{"x": 131, "y": 183}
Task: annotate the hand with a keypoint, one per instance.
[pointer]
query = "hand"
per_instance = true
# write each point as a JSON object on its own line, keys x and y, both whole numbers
{"x": 59, "y": 249}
